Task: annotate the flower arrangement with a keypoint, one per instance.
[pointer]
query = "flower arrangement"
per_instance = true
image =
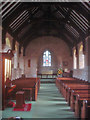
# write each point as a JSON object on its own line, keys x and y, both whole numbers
{"x": 60, "y": 72}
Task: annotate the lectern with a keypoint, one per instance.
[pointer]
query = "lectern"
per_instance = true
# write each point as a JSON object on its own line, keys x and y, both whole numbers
{"x": 20, "y": 100}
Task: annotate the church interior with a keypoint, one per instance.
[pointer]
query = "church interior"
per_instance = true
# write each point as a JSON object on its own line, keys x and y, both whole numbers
{"x": 44, "y": 60}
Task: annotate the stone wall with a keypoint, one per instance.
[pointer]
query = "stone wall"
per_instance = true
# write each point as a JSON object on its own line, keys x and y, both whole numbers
{"x": 82, "y": 73}
{"x": 0, "y": 69}
{"x": 59, "y": 50}
{"x": 17, "y": 65}
{"x": 17, "y": 60}
{"x": 88, "y": 45}
{"x": 60, "y": 53}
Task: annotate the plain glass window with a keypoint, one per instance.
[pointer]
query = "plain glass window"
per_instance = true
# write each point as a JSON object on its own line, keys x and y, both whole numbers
{"x": 81, "y": 58}
{"x": 75, "y": 60}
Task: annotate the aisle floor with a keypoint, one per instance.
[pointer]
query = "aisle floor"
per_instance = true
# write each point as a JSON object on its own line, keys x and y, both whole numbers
{"x": 50, "y": 104}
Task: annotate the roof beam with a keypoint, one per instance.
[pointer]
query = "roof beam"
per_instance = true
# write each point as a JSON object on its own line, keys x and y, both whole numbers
{"x": 11, "y": 17}
{"x": 72, "y": 23}
{"x": 81, "y": 10}
{"x": 10, "y": 10}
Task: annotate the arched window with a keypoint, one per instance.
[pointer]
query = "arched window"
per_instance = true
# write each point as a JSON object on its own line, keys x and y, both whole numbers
{"x": 16, "y": 56}
{"x": 74, "y": 59}
{"x": 8, "y": 42}
{"x": 7, "y": 69}
{"x": 46, "y": 58}
{"x": 81, "y": 58}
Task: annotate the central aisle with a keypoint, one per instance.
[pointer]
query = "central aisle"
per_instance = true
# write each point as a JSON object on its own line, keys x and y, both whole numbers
{"x": 50, "y": 103}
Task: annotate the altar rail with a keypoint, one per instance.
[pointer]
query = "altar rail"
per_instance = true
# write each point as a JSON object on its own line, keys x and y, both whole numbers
{"x": 46, "y": 76}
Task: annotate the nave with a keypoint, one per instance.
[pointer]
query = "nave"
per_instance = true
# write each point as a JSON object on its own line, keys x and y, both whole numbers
{"x": 42, "y": 43}
{"x": 50, "y": 104}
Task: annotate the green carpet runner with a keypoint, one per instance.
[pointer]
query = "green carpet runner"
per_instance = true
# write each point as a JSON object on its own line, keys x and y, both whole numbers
{"x": 50, "y": 104}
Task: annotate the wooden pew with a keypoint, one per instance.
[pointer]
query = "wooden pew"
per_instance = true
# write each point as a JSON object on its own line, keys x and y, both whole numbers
{"x": 71, "y": 87}
{"x": 60, "y": 82}
{"x": 33, "y": 83}
{"x": 65, "y": 78}
{"x": 85, "y": 110}
{"x": 28, "y": 93}
{"x": 67, "y": 85}
{"x": 64, "y": 83}
{"x": 73, "y": 96}
{"x": 65, "y": 88}
{"x": 79, "y": 102}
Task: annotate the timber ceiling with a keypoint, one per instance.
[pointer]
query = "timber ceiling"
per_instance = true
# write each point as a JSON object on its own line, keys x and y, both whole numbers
{"x": 26, "y": 21}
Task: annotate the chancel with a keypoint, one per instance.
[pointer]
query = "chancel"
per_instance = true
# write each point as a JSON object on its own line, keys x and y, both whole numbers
{"x": 44, "y": 60}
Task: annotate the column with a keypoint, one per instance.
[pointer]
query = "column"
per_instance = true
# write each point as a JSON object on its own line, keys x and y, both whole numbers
{"x": 88, "y": 39}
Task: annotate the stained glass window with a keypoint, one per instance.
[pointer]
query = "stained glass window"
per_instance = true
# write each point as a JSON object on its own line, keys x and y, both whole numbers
{"x": 16, "y": 46}
{"x": 47, "y": 58}
{"x": 8, "y": 42}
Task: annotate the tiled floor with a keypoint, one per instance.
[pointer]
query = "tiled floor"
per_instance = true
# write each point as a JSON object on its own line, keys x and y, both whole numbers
{"x": 50, "y": 104}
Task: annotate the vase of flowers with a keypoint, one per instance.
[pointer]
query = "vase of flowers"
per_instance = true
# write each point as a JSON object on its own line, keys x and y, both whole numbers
{"x": 60, "y": 72}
